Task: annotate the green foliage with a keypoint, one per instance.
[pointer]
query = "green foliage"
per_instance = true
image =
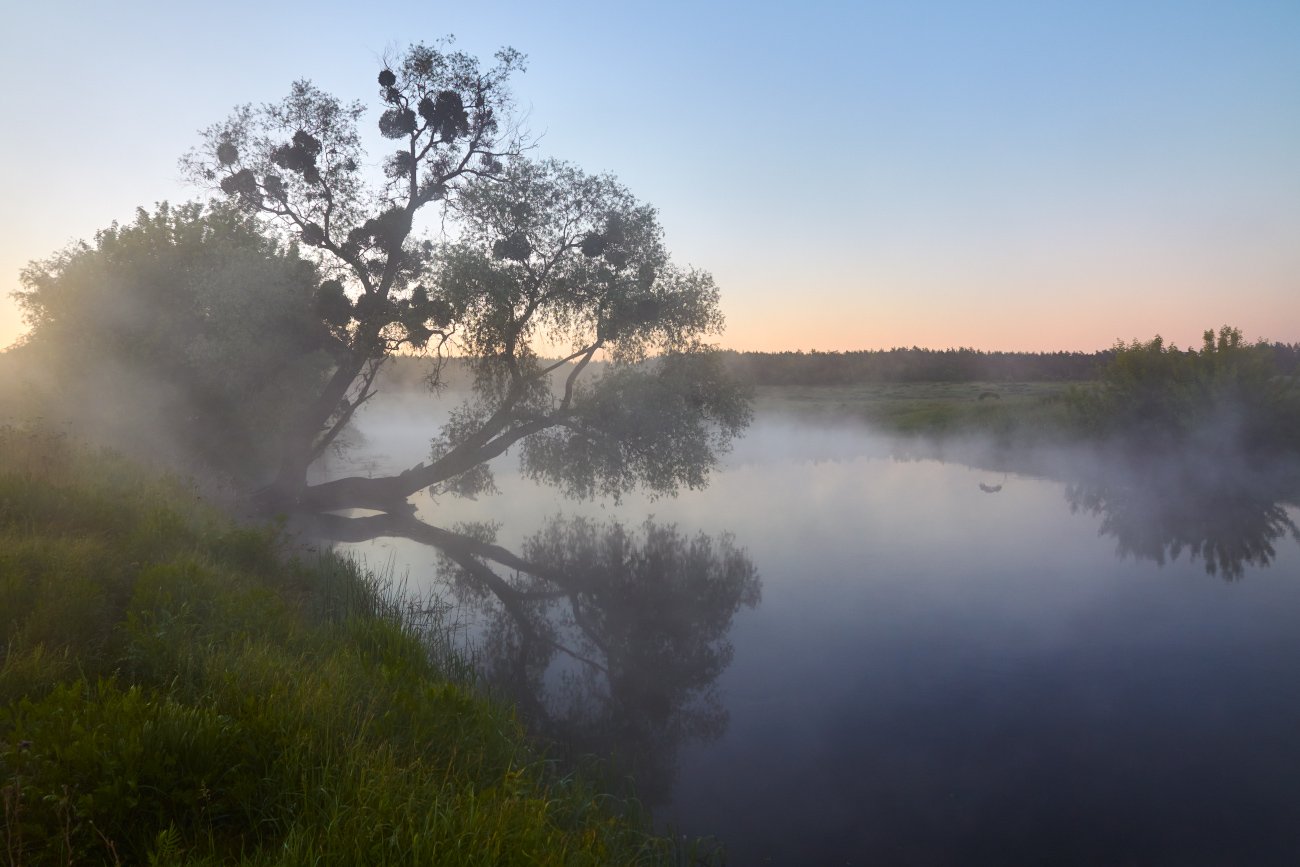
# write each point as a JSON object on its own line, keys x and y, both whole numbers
{"x": 1229, "y": 394}
{"x": 187, "y": 329}
{"x": 552, "y": 251}
{"x": 97, "y": 759}
{"x": 660, "y": 425}
{"x": 914, "y": 365}
{"x": 553, "y": 254}
{"x": 177, "y": 690}
{"x": 214, "y": 340}
{"x": 301, "y": 164}
{"x": 544, "y": 256}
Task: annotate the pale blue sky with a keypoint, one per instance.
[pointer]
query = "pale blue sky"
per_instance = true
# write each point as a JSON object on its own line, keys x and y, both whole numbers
{"x": 1005, "y": 175}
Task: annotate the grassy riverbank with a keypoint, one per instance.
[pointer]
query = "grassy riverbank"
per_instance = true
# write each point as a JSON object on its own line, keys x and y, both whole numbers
{"x": 1007, "y": 409}
{"x": 176, "y": 689}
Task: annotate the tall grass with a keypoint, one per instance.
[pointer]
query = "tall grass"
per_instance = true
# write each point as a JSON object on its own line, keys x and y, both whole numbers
{"x": 178, "y": 689}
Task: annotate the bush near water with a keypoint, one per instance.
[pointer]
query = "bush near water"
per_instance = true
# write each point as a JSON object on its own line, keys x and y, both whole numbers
{"x": 1231, "y": 394}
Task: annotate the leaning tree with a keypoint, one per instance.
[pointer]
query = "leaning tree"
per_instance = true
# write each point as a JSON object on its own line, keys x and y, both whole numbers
{"x": 535, "y": 256}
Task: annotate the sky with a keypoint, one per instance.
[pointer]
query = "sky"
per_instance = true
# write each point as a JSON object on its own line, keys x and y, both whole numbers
{"x": 1001, "y": 175}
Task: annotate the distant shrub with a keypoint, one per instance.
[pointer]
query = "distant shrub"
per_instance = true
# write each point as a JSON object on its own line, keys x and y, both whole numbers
{"x": 1229, "y": 394}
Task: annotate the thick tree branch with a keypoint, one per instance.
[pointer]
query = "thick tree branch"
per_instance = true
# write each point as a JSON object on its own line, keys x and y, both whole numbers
{"x": 387, "y": 494}
{"x": 349, "y": 409}
{"x": 573, "y": 375}
{"x": 563, "y": 361}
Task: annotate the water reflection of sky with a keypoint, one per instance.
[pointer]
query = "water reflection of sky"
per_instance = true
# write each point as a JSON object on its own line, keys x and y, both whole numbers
{"x": 939, "y": 674}
{"x": 963, "y": 681}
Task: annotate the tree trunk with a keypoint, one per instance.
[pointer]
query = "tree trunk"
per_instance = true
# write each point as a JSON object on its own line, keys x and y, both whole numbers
{"x": 297, "y": 452}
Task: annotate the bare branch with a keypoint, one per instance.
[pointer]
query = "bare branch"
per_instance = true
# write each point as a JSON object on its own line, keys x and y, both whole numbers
{"x": 573, "y": 375}
{"x": 349, "y": 409}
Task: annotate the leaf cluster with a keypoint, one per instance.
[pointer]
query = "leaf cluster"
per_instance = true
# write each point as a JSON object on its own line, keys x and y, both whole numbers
{"x": 553, "y": 253}
{"x": 301, "y": 164}
{"x": 188, "y": 323}
{"x": 1227, "y": 395}
{"x": 660, "y": 425}
{"x": 544, "y": 260}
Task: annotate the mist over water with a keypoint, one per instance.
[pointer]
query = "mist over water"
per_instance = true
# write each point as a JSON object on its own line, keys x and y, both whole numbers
{"x": 962, "y": 654}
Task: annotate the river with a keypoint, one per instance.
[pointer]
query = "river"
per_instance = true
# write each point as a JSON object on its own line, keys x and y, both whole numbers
{"x": 851, "y": 650}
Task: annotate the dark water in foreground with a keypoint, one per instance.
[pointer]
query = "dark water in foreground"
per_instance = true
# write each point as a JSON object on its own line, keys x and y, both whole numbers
{"x": 947, "y": 664}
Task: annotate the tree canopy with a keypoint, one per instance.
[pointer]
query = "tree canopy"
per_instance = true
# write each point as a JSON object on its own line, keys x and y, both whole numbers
{"x": 188, "y": 327}
{"x": 313, "y": 263}
{"x": 536, "y": 254}
{"x": 1231, "y": 395}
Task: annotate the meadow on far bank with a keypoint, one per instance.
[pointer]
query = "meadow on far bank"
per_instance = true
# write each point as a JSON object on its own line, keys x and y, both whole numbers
{"x": 1229, "y": 393}
{"x": 928, "y": 408}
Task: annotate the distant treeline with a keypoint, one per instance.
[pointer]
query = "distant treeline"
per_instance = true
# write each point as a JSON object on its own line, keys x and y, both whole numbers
{"x": 864, "y": 366}
{"x": 937, "y": 365}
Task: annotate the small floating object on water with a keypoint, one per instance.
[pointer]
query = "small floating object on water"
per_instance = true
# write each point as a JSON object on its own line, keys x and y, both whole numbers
{"x": 990, "y": 395}
{"x": 990, "y": 489}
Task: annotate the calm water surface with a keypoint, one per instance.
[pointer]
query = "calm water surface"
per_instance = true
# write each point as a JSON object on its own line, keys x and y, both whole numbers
{"x": 1024, "y": 659}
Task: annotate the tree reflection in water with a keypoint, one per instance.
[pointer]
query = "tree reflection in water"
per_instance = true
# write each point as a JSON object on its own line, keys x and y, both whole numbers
{"x": 1229, "y": 520}
{"x": 608, "y": 639}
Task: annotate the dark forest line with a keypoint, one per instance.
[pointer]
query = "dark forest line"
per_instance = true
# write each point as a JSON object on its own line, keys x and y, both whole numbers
{"x": 939, "y": 365}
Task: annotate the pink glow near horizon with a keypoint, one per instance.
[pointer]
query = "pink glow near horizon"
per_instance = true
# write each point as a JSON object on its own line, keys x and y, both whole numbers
{"x": 1003, "y": 176}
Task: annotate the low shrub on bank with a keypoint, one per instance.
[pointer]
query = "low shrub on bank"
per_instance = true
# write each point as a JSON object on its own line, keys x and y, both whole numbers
{"x": 1228, "y": 395}
{"x": 175, "y": 689}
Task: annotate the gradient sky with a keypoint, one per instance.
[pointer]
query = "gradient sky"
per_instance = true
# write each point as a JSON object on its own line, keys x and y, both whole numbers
{"x": 1003, "y": 175}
